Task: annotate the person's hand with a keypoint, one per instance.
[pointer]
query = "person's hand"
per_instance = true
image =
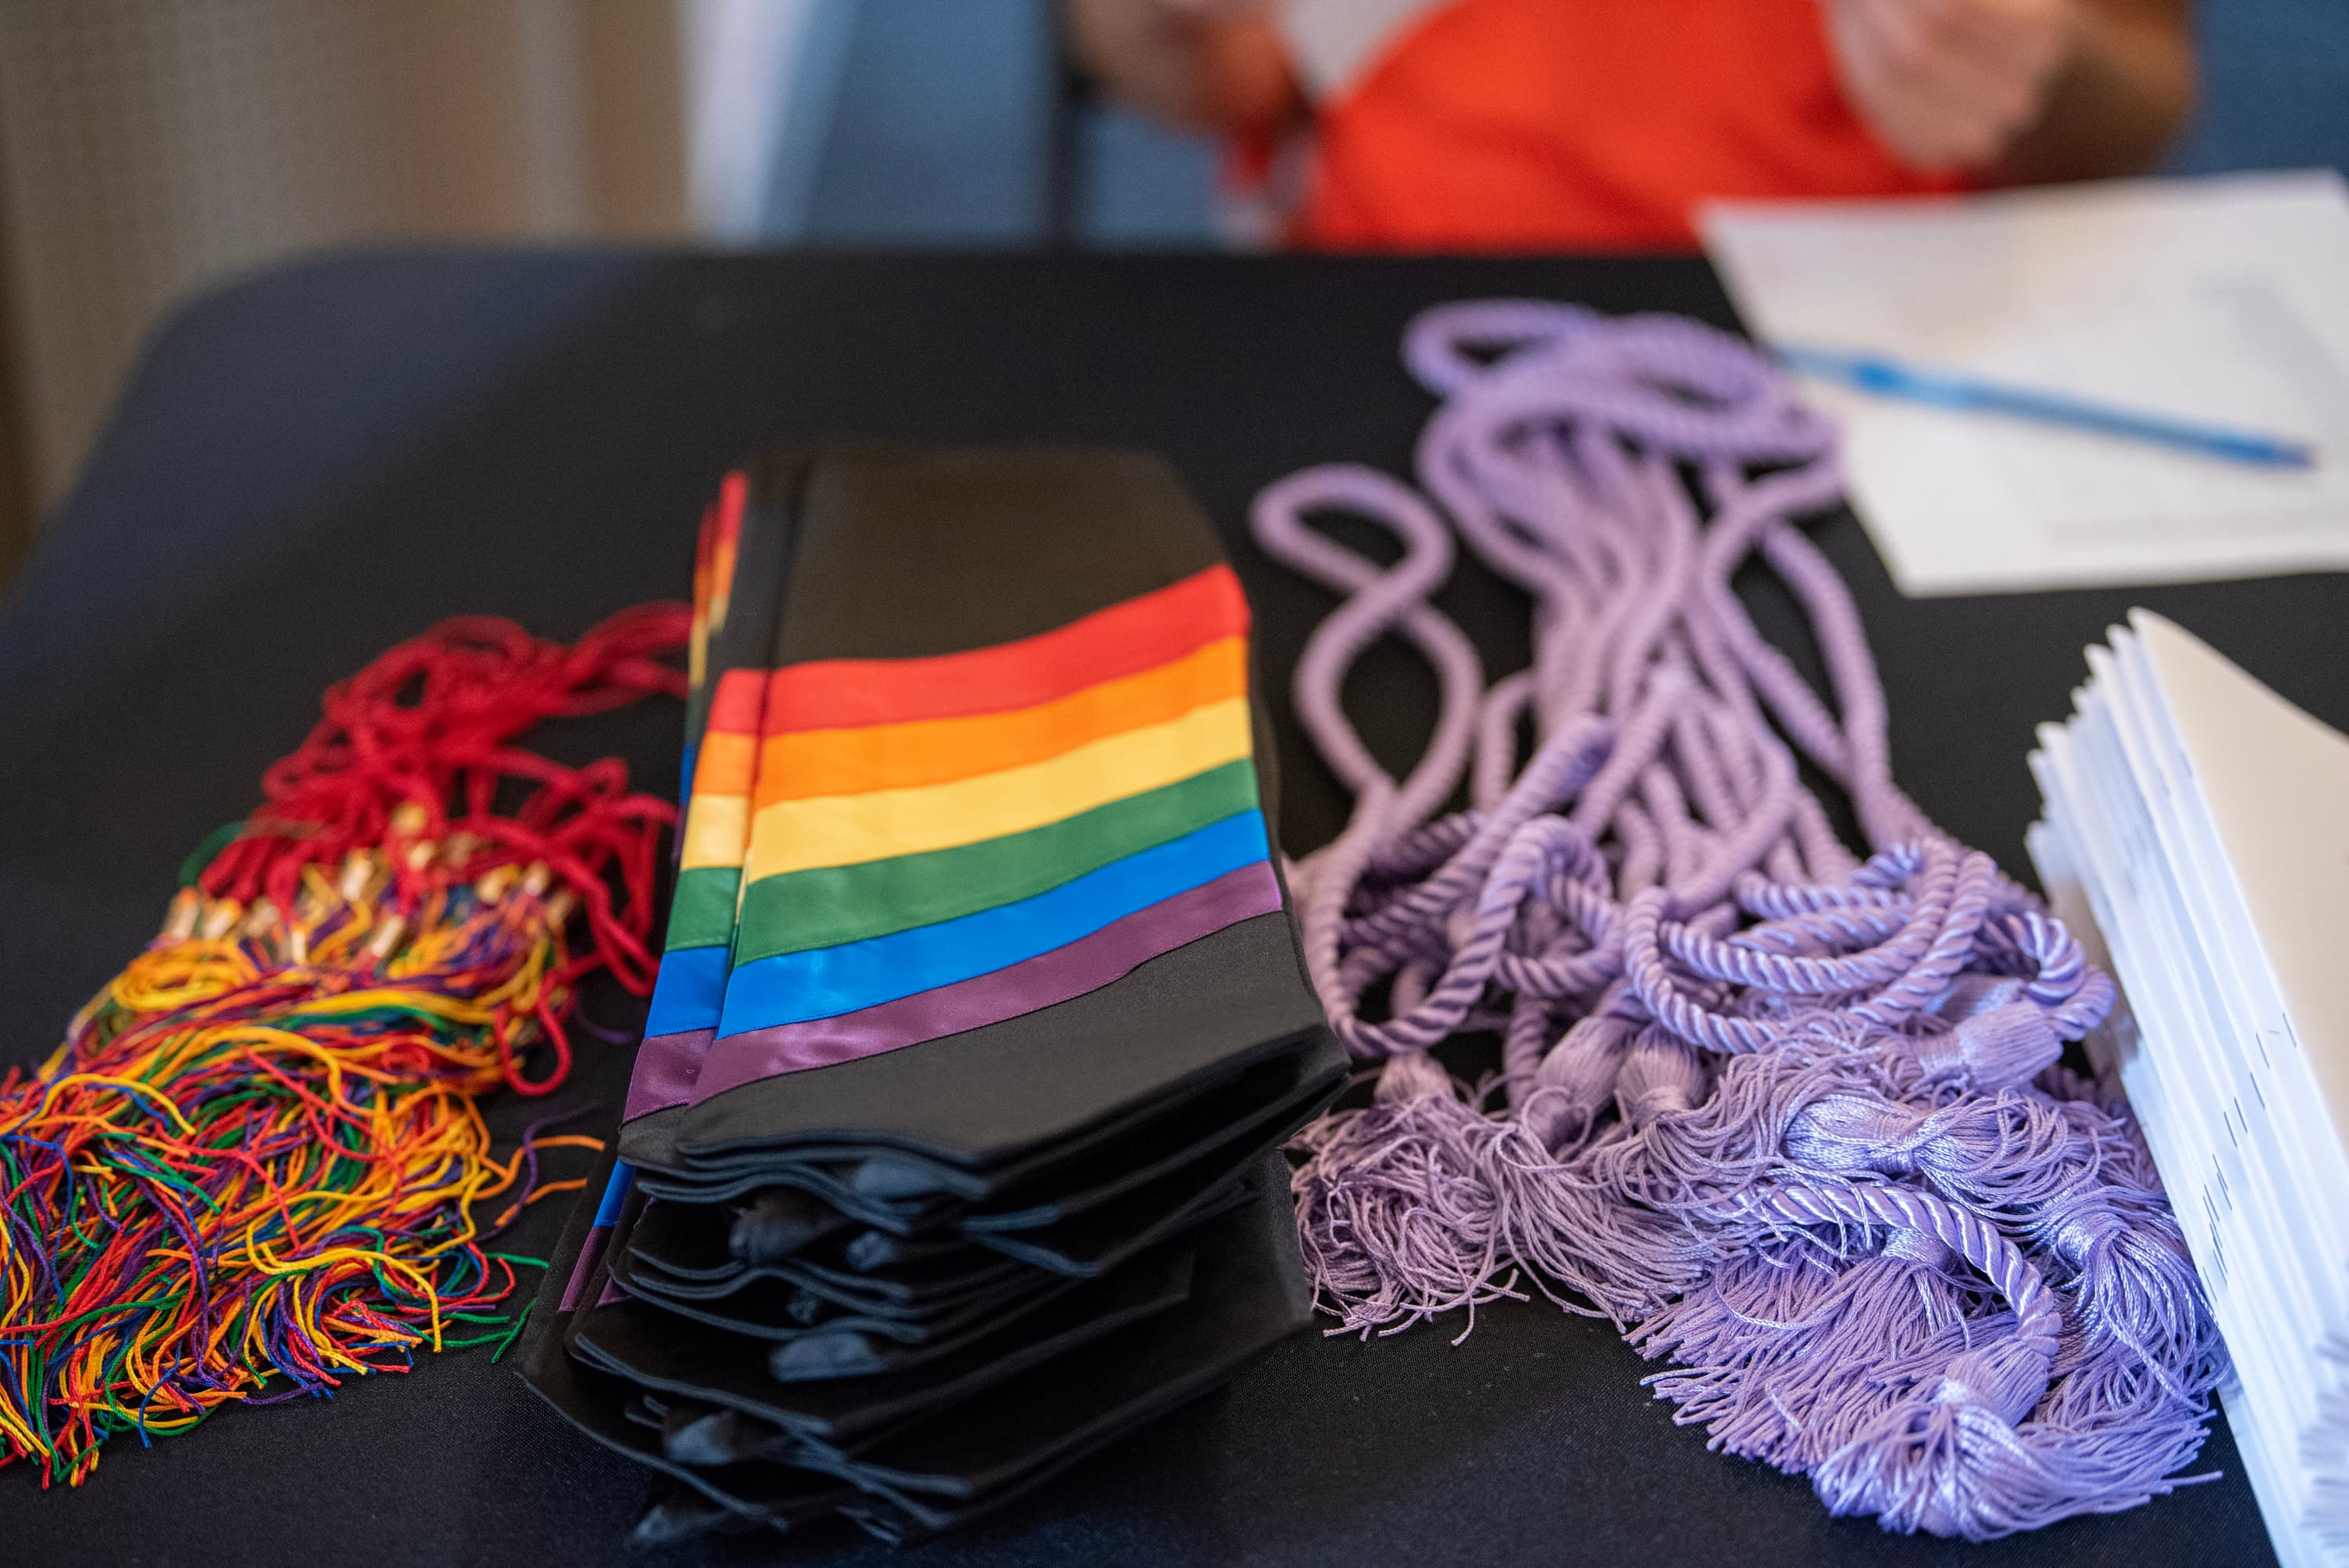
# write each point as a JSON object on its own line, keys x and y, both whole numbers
{"x": 1949, "y": 84}
{"x": 1212, "y": 10}
{"x": 1206, "y": 65}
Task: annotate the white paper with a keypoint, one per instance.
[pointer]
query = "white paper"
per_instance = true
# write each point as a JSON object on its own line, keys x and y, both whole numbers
{"x": 2224, "y": 301}
{"x": 2193, "y": 816}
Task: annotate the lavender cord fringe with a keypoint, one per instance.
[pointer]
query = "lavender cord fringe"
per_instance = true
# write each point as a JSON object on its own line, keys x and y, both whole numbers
{"x": 1792, "y": 1119}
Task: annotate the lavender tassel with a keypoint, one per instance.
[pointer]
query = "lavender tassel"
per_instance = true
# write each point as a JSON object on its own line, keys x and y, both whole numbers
{"x": 1793, "y": 1118}
{"x": 1405, "y": 1225}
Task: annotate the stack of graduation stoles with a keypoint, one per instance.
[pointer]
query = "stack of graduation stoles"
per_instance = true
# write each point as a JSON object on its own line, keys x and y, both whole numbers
{"x": 951, "y": 1152}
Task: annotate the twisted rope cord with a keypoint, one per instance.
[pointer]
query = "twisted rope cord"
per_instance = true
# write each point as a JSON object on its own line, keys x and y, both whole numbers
{"x": 1718, "y": 1022}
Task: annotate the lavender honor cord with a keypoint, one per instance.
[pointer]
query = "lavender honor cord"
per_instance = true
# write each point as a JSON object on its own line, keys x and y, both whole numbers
{"x": 1791, "y": 1116}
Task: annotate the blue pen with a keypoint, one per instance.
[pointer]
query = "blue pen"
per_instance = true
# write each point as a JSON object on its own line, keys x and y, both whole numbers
{"x": 1889, "y": 377}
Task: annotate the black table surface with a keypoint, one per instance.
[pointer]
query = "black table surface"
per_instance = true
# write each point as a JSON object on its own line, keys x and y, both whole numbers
{"x": 320, "y": 461}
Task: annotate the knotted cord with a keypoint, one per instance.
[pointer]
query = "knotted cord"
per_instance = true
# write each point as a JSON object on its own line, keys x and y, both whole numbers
{"x": 1792, "y": 1117}
{"x": 255, "y": 1165}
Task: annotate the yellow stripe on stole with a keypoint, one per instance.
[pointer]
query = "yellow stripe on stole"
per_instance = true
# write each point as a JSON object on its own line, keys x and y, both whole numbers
{"x": 879, "y": 824}
{"x": 717, "y": 826}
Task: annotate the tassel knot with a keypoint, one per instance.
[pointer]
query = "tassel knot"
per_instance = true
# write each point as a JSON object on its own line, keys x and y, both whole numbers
{"x": 1574, "y": 1081}
{"x": 2004, "y": 1048}
{"x": 2007, "y": 1377}
{"x": 1409, "y": 1075}
{"x": 1659, "y": 1074}
{"x": 1844, "y": 1133}
{"x": 2085, "y": 1232}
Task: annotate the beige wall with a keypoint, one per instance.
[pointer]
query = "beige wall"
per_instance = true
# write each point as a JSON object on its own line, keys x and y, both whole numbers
{"x": 150, "y": 146}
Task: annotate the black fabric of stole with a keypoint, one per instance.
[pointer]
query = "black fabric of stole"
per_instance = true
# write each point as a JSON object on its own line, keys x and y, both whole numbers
{"x": 871, "y": 1449}
{"x": 907, "y": 1288}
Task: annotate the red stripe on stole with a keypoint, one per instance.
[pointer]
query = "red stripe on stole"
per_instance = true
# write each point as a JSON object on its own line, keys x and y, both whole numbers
{"x": 733, "y": 494}
{"x": 736, "y": 704}
{"x": 1122, "y": 640}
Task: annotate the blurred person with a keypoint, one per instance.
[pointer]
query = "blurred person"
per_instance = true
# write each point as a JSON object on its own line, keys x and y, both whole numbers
{"x": 1599, "y": 124}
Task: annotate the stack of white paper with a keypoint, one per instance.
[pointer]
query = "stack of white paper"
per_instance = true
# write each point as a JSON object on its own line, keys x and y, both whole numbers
{"x": 2201, "y": 823}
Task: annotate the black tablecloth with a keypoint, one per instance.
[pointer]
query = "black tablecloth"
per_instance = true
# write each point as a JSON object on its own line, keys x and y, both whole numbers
{"x": 320, "y": 463}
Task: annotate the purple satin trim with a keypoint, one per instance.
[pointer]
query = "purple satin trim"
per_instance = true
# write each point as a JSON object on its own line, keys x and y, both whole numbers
{"x": 1086, "y": 964}
{"x": 667, "y": 1065}
{"x": 590, "y": 1254}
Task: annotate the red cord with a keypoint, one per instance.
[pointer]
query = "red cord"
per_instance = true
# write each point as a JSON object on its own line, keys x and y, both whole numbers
{"x": 426, "y": 728}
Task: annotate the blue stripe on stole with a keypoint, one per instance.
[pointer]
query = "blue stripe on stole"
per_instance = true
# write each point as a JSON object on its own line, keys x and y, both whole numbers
{"x": 824, "y": 982}
{"x": 616, "y": 1194}
{"x": 687, "y": 990}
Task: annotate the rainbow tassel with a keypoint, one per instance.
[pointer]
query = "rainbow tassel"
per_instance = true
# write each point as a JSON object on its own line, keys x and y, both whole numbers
{"x": 255, "y": 1166}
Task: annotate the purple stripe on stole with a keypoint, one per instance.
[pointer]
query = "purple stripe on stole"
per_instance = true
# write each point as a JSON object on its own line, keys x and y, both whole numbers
{"x": 590, "y": 1254}
{"x": 666, "y": 1067}
{"x": 1086, "y": 964}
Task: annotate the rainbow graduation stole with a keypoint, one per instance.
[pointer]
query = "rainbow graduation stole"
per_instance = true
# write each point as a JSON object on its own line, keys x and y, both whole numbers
{"x": 949, "y": 1151}
{"x": 932, "y": 791}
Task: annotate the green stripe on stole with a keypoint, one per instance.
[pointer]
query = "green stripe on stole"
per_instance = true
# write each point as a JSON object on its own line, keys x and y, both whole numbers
{"x": 833, "y": 904}
{"x": 702, "y": 912}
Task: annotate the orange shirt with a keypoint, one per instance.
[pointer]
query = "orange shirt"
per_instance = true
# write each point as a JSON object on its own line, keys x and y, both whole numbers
{"x": 1529, "y": 125}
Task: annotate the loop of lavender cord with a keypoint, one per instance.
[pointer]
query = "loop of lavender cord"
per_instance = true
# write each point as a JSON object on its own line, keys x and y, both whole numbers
{"x": 2038, "y": 1322}
{"x": 1721, "y": 1027}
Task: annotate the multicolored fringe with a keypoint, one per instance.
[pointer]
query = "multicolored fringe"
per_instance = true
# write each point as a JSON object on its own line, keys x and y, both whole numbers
{"x": 1793, "y": 1120}
{"x": 255, "y": 1166}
